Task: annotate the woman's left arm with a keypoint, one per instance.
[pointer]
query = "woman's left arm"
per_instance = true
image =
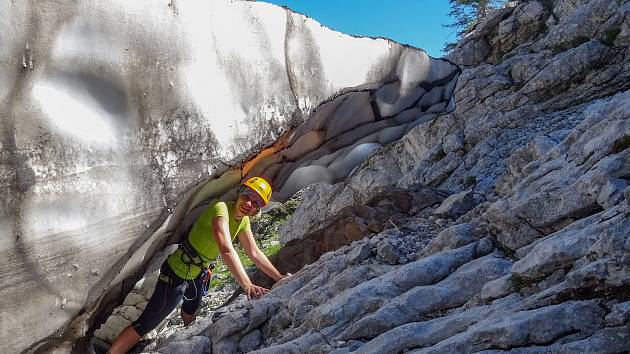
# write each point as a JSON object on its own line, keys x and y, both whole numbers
{"x": 257, "y": 256}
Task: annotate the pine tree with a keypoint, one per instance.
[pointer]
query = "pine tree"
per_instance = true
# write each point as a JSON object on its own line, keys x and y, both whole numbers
{"x": 466, "y": 14}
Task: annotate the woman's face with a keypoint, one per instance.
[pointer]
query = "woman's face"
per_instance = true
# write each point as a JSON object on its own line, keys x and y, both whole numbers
{"x": 248, "y": 203}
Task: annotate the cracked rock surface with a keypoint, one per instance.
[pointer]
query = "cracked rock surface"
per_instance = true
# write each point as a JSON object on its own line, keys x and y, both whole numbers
{"x": 539, "y": 259}
{"x": 120, "y": 122}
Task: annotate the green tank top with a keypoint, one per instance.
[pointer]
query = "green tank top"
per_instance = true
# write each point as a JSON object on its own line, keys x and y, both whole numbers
{"x": 201, "y": 238}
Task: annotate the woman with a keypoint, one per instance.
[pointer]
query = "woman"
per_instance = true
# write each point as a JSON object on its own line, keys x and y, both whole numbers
{"x": 182, "y": 274}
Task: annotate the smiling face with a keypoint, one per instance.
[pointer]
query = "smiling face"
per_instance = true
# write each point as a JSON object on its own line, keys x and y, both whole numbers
{"x": 248, "y": 203}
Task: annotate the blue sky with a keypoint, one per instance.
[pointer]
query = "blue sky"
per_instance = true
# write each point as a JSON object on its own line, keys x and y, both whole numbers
{"x": 414, "y": 22}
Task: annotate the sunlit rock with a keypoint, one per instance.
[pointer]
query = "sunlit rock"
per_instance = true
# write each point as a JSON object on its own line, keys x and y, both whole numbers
{"x": 112, "y": 113}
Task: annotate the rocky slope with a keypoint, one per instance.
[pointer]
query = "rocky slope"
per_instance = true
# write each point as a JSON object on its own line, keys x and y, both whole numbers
{"x": 120, "y": 121}
{"x": 504, "y": 226}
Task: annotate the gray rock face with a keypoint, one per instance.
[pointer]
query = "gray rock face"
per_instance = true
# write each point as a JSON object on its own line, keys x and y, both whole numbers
{"x": 498, "y": 288}
{"x": 453, "y": 291}
{"x": 562, "y": 249}
{"x": 570, "y": 179}
{"x": 565, "y": 67}
{"x": 418, "y": 334}
{"x": 108, "y": 131}
{"x": 533, "y": 327}
{"x": 194, "y": 345}
{"x": 450, "y": 238}
{"x": 387, "y": 252}
{"x": 455, "y": 205}
{"x": 620, "y": 314}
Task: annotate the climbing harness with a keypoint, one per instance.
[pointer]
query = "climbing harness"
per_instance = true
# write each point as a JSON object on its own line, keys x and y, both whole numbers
{"x": 206, "y": 277}
{"x": 189, "y": 255}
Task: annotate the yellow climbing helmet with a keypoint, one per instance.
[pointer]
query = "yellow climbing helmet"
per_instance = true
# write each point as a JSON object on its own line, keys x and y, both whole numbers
{"x": 261, "y": 186}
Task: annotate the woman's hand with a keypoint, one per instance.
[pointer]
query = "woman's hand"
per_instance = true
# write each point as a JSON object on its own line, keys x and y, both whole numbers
{"x": 254, "y": 291}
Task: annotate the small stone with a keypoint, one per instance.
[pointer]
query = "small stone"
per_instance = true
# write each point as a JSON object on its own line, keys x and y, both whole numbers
{"x": 455, "y": 205}
{"x": 359, "y": 254}
{"x": 484, "y": 247}
{"x": 450, "y": 238}
{"x": 94, "y": 272}
{"x": 441, "y": 222}
{"x": 76, "y": 266}
{"x": 453, "y": 143}
{"x": 386, "y": 252}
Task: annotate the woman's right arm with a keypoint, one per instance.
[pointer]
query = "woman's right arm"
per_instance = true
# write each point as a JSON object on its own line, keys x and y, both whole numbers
{"x": 221, "y": 233}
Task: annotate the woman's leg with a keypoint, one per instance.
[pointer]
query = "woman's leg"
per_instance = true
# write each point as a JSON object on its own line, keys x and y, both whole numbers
{"x": 166, "y": 296}
{"x": 192, "y": 300}
{"x": 125, "y": 341}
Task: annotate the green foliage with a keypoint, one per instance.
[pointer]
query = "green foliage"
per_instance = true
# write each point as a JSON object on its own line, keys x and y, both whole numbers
{"x": 439, "y": 155}
{"x": 466, "y": 14}
{"x": 519, "y": 282}
{"x": 621, "y": 144}
{"x": 470, "y": 181}
{"x": 611, "y": 35}
{"x": 579, "y": 40}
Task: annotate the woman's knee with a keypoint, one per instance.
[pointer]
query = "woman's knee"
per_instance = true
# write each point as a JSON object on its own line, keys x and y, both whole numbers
{"x": 187, "y": 318}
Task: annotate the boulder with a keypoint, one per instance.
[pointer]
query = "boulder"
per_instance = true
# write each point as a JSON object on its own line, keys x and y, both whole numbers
{"x": 450, "y": 238}
{"x": 112, "y": 134}
{"x": 455, "y": 205}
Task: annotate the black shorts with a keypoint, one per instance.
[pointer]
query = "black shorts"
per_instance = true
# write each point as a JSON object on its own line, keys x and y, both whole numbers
{"x": 169, "y": 291}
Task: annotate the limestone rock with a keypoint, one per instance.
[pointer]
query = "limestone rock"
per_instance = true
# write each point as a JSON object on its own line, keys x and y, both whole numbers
{"x": 498, "y": 288}
{"x": 525, "y": 328}
{"x": 619, "y": 315}
{"x": 566, "y": 188}
{"x": 421, "y": 333}
{"x": 361, "y": 253}
{"x": 452, "y": 143}
{"x": 607, "y": 340}
{"x": 561, "y": 249}
{"x": 559, "y": 72}
{"x": 455, "y": 205}
{"x": 578, "y": 23}
{"x": 387, "y": 252}
{"x": 194, "y": 345}
{"x": 473, "y": 48}
{"x": 250, "y": 341}
{"x": 525, "y": 24}
{"x": 453, "y": 291}
{"x": 116, "y": 128}
{"x": 450, "y": 238}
